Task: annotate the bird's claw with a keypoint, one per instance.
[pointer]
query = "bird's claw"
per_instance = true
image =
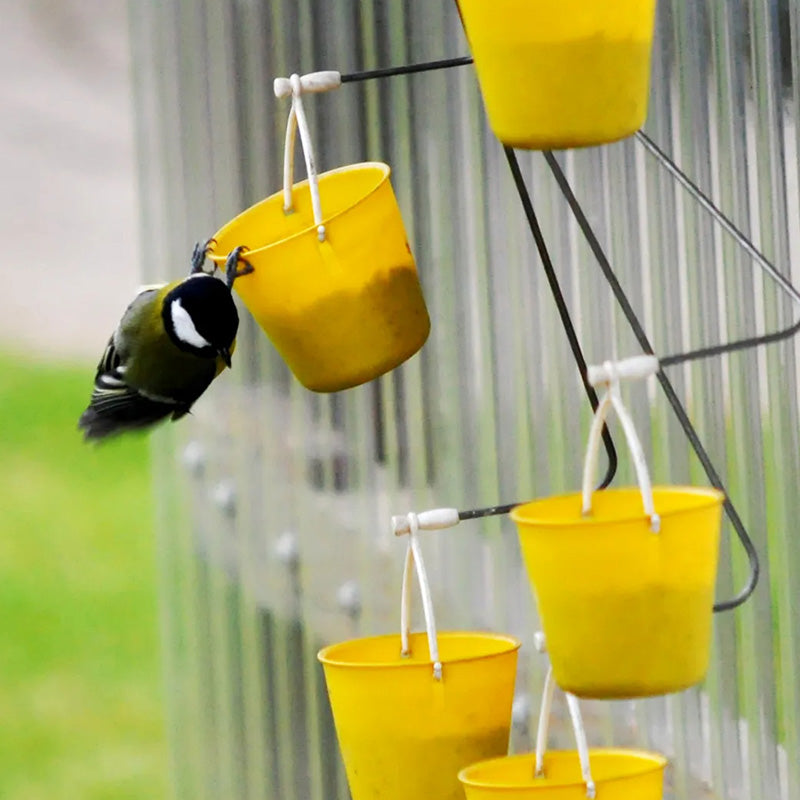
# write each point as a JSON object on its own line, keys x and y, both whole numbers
{"x": 199, "y": 255}
{"x": 232, "y": 268}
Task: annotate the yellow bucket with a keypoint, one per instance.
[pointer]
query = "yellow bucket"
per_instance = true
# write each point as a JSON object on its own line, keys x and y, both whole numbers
{"x": 344, "y": 310}
{"x": 403, "y": 734}
{"x": 618, "y": 775}
{"x": 626, "y": 612}
{"x": 561, "y": 73}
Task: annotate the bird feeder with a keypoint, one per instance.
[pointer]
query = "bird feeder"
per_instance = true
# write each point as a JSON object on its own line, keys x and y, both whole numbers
{"x": 411, "y": 711}
{"x": 624, "y": 578}
{"x": 334, "y": 283}
{"x": 561, "y": 73}
{"x": 605, "y": 773}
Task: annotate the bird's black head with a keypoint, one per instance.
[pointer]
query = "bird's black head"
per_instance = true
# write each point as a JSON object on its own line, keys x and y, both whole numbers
{"x": 200, "y": 316}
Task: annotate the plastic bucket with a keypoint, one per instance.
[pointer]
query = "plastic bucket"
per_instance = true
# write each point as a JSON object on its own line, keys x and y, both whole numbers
{"x": 626, "y": 612}
{"x": 623, "y": 578}
{"x": 609, "y": 774}
{"x": 344, "y": 310}
{"x": 618, "y": 775}
{"x": 561, "y": 73}
{"x": 412, "y": 710}
{"x": 404, "y": 734}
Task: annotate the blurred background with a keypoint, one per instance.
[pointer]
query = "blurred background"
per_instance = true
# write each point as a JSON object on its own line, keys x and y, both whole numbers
{"x": 250, "y": 595}
{"x": 80, "y": 687}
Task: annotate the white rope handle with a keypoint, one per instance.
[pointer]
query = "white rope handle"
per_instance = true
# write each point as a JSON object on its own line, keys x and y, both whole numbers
{"x": 288, "y": 160}
{"x": 610, "y": 374}
{"x": 414, "y": 559}
{"x": 297, "y": 121}
{"x": 577, "y": 727}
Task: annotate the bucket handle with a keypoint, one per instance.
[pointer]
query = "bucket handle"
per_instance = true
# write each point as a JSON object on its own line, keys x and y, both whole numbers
{"x": 296, "y": 86}
{"x": 610, "y": 374}
{"x": 577, "y": 727}
{"x": 414, "y": 559}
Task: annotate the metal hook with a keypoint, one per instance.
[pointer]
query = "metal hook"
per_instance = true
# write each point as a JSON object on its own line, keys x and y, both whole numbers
{"x": 666, "y": 385}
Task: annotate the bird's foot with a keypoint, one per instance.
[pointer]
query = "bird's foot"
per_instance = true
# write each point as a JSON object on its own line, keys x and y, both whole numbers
{"x": 199, "y": 255}
{"x": 232, "y": 268}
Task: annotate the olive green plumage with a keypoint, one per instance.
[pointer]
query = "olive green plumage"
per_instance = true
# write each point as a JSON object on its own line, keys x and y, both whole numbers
{"x": 170, "y": 344}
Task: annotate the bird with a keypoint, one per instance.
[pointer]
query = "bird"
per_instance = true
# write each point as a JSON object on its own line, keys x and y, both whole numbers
{"x": 172, "y": 341}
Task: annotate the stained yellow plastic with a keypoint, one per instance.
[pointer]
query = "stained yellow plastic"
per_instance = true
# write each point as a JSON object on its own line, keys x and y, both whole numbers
{"x": 618, "y": 775}
{"x": 626, "y": 612}
{"x": 404, "y": 734}
{"x": 343, "y": 311}
{"x": 561, "y": 73}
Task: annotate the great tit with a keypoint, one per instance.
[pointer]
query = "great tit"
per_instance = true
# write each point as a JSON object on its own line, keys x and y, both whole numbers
{"x": 171, "y": 342}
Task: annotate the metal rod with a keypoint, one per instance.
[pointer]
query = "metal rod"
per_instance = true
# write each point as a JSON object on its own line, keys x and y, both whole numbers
{"x": 561, "y": 305}
{"x": 491, "y": 511}
{"x": 666, "y": 385}
{"x": 407, "y": 69}
{"x": 572, "y": 337}
{"x": 741, "y": 239}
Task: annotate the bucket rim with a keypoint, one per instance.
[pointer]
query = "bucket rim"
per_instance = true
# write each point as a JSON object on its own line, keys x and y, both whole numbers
{"x": 714, "y": 497}
{"x": 326, "y": 219}
{"x": 650, "y": 760}
{"x": 513, "y": 643}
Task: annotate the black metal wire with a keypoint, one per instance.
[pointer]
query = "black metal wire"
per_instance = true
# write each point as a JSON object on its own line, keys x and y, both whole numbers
{"x": 666, "y": 385}
{"x": 572, "y": 337}
{"x": 763, "y": 262}
{"x": 563, "y": 310}
{"x": 407, "y": 69}
{"x": 475, "y": 513}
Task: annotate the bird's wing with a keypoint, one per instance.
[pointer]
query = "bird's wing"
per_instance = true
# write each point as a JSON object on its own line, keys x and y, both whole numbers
{"x": 115, "y": 405}
{"x": 121, "y": 409}
{"x": 111, "y": 360}
{"x": 111, "y": 367}
{"x": 141, "y": 305}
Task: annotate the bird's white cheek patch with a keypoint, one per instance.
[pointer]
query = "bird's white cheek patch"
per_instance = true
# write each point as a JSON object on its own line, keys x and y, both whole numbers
{"x": 184, "y": 327}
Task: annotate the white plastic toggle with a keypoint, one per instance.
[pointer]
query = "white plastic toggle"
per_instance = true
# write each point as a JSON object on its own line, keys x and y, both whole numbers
{"x": 293, "y": 87}
{"x": 432, "y": 520}
{"x": 322, "y": 81}
{"x": 633, "y": 368}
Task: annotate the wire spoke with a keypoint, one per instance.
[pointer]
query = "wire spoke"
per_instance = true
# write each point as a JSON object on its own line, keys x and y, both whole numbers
{"x": 408, "y": 69}
{"x": 666, "y": 384}
{"x": 741, "y": 239}
{"x": 563, "y": 310}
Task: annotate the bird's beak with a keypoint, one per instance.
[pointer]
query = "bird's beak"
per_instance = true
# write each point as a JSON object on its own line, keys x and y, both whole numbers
{"x": 225, "y": 355}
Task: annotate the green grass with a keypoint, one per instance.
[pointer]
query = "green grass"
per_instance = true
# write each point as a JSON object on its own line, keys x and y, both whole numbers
{"x": 80, "y": 687}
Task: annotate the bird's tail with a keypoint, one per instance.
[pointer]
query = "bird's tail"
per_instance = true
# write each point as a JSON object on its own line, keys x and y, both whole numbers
{"x": 104, "y": 420}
